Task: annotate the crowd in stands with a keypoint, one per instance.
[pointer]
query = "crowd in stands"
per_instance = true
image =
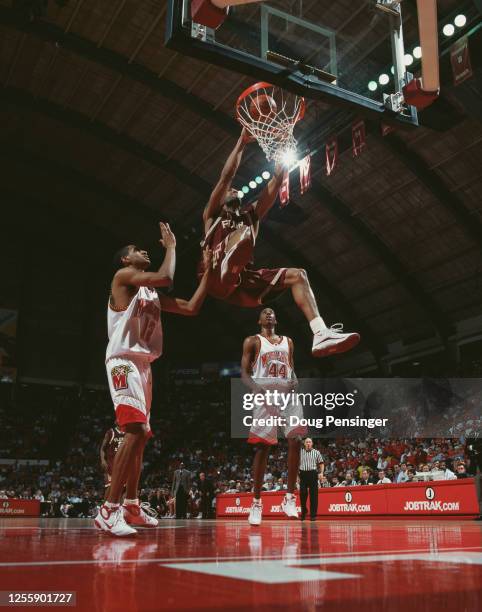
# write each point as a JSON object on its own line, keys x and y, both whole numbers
{"x": 50, "y": 440}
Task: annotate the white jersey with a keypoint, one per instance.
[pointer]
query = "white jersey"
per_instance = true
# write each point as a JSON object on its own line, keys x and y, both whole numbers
{"x": 273, "y": 360}
{"x": 136, "y": 331}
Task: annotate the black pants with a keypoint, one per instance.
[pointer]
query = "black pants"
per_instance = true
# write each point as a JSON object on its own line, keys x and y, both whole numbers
{"x": 309, "y": 482}
{"x": 205, "y": 506}
{"x": 181, "y": 503}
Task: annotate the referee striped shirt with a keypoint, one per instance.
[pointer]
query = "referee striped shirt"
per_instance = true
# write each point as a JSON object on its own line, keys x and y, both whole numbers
{"x": 309, "y": 460}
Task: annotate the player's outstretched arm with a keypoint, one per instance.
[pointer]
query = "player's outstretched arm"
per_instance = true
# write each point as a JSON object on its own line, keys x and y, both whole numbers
{"x": 270, "y": 193}
{"x": 228, "y": 173}
{"x": 168, "y": 241}
{"x": 251, "y": 346}
{"x": 132, "y": 277}
{"x": 190, "y": 308}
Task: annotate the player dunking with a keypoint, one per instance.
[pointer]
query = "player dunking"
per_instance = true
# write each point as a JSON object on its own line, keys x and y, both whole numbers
{"x": 231, "y": 232}
{"x": 135, "y": 340}
{"x": 267, "y": 363}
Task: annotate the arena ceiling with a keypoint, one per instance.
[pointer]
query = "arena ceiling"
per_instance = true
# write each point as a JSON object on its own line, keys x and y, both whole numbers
{"x": 105, "y": 129}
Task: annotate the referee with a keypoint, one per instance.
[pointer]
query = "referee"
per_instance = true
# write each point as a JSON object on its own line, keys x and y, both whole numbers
{"x": 311, "y": 463}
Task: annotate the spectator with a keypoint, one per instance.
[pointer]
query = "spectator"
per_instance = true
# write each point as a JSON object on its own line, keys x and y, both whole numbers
{"x": 461, "y": 471}
{"x": 382, "y": 463}
{"x": 323, "y": 482}
{"x": 365, "y": 478}
{"x": 448, "y": 474}
{"x": 382, "y": 478}
{"x": 349, "y": 481}
{"x": 402, "y": 474}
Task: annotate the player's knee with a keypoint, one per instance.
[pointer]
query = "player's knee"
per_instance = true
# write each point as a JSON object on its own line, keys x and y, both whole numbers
{"x": 298, "y": 275}
{"x": 303, "y": 275}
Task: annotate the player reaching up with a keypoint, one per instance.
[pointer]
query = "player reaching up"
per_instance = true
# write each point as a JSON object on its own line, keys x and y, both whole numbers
{"x": 231, "y": 231}
{"x": 267, "y": 363}
{"x": 135, "y": 340}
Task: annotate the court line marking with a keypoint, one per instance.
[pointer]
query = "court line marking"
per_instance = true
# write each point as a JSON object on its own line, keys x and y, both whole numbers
{"x": 93, "y": 529}
{"x": 166, "y": 560}
{"x": 285, "y": 570}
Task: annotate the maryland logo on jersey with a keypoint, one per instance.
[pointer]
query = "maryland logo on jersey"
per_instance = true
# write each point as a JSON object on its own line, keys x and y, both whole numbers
{"x": 119, "y": 375}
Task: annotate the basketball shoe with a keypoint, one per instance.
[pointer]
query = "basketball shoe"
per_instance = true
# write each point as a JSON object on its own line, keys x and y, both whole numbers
{"x": 288, "y": 505}
{"x": 255, "y": 512}
{"x": 112, "y": 520}
{"x": 141, "y": 515}
{"x": 332, "y": 340}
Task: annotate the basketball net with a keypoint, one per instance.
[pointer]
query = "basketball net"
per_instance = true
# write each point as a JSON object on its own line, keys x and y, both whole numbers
{"x": 273, "y": 130}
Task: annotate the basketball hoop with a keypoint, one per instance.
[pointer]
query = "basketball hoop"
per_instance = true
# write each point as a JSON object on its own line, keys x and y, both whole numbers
{"x": 270, "y": 114}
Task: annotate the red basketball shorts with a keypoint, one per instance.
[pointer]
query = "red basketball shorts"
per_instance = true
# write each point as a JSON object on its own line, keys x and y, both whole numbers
{"x": 252, "y": 288}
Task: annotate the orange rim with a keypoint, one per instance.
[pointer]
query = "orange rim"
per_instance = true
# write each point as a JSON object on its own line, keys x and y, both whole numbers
{"x": 264, "y": 85}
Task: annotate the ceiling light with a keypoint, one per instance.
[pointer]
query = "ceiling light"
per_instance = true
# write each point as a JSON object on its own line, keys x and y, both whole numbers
{"x": 448, "y": 29}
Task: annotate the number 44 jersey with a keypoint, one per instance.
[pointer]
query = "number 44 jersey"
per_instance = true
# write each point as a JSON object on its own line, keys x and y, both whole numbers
{"x": 137, "y": 330}
{"x": 273, "y": 361}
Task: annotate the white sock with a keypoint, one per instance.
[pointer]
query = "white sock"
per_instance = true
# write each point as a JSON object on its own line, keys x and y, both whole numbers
{"x": 111, "y": 505}
{"x": 317, "y": 325}
{"x": 131, "y": 502}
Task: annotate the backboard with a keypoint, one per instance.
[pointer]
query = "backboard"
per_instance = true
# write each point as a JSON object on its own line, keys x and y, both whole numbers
{"x": 347, "y": 53}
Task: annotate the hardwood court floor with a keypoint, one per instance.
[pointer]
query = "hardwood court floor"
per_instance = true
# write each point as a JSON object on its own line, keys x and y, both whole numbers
{"x": 227, "y": 565}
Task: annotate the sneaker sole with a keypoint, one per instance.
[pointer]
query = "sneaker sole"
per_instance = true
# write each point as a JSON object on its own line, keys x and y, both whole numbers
{"x": 100, "y": 528}
{"x": 341, "y": 347}
{"x": 290, "y": 515}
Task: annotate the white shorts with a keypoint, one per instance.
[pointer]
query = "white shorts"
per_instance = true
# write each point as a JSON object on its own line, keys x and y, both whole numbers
{"x": 268, "y": 433}
{"x": 130, "y": 384}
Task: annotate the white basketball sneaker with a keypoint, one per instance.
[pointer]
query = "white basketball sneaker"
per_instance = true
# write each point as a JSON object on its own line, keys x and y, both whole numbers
{"x": 142, "y": 515}
{"x": 332, "y": 340}
{"x": 112, "y": 521}
{"x": 255, "y": 513}
{"x": 288, "y": 505}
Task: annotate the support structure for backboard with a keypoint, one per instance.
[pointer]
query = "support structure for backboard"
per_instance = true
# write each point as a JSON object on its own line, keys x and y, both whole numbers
{"x": 197, "y": 41}
{"x": 413, "y": 93}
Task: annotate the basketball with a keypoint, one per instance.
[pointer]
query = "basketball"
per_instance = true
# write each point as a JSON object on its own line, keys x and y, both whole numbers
{"x": 262, "y": 106}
